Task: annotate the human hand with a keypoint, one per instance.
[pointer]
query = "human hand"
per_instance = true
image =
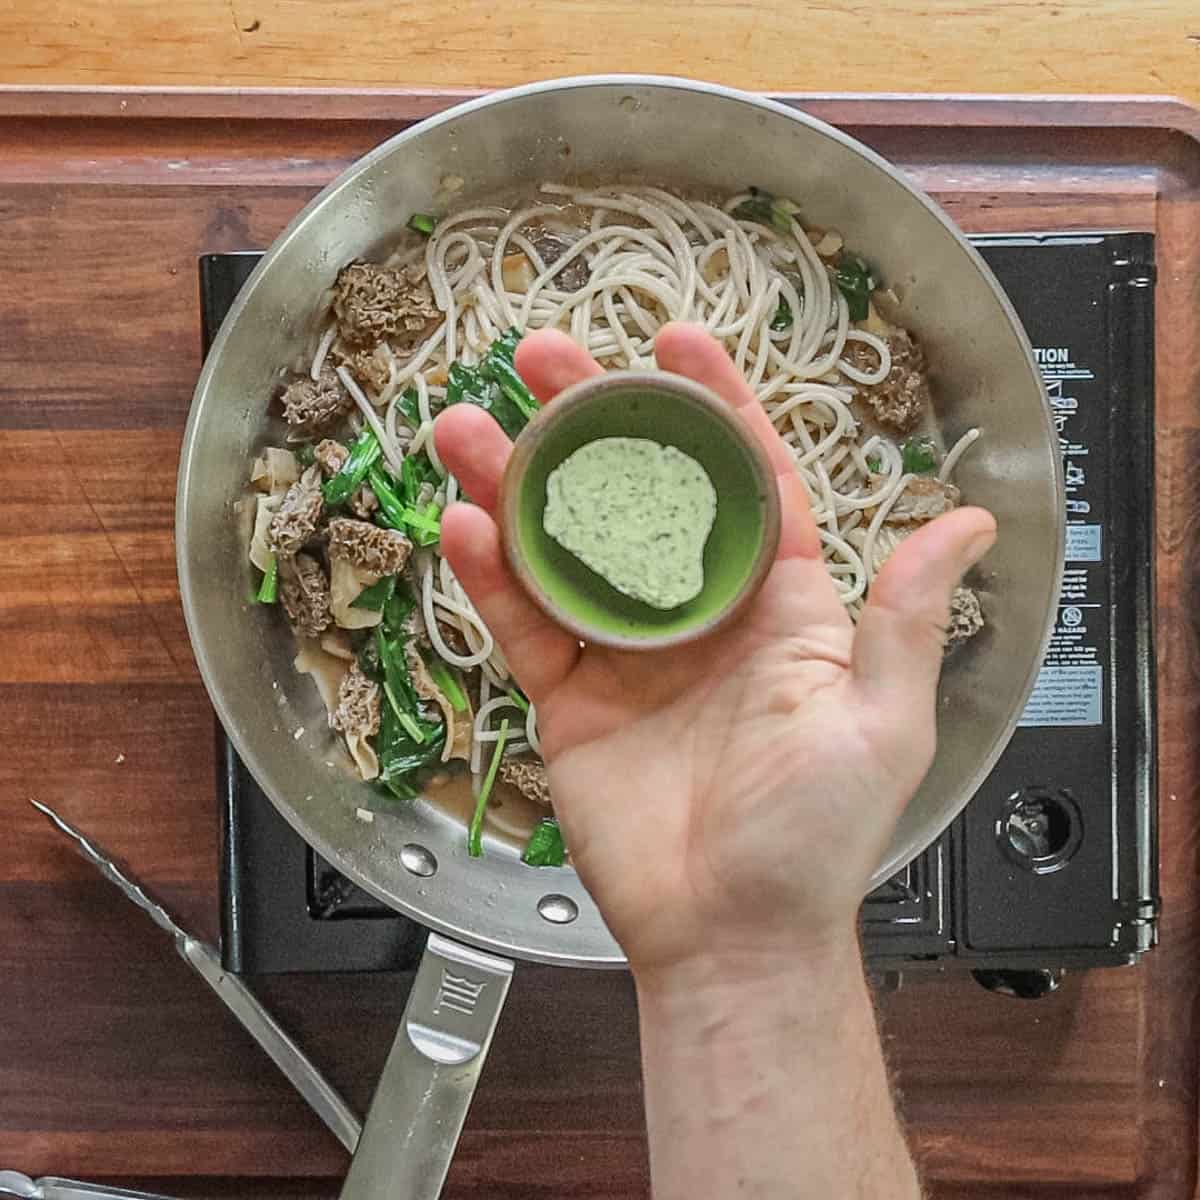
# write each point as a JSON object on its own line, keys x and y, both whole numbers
{"x": 730, "y": 796}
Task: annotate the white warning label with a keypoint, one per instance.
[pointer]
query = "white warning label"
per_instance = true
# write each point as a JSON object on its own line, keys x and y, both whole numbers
{"x": 1066, "y": 696}
{"x": 1070, "y": 687}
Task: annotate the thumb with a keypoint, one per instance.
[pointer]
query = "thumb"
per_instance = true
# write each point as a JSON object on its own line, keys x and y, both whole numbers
{"x": 898, "y": 644}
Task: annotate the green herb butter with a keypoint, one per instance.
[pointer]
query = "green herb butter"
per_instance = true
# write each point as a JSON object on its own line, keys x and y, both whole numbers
{"x": 636, "y": 513}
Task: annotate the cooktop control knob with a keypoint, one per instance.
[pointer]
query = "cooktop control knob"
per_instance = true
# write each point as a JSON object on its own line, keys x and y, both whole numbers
{"x": 1040, "y": 828}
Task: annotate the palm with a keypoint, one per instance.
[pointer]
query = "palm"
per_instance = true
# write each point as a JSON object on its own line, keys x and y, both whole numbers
{"x": 692, "y": 782}
{"x": 719, "y": 738}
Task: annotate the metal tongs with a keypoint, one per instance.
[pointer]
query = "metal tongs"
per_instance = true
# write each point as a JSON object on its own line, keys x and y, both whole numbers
{"x": 250, "y": 1012}
{"x": 50, "y": 1187}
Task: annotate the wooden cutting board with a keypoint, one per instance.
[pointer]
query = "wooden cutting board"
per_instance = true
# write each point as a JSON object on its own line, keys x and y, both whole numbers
{"x": 114, "y": 1061}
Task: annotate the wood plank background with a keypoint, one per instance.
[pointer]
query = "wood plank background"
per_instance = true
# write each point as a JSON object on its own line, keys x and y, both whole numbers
{"x": 1054, "y": 46}
{"x": 114, "y": 1061}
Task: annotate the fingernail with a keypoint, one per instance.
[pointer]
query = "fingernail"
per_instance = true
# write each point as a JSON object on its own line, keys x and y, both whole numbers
{"x": 978, "y": 546}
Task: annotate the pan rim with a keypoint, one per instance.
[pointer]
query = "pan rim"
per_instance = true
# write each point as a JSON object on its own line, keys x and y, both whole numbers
{"x": 296, "y": 227}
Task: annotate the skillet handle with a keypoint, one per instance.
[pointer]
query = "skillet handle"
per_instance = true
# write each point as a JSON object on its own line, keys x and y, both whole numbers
{"x": 422, "y": 1097}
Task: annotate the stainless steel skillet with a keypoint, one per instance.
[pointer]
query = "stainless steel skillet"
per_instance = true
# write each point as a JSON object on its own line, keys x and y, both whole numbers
{"x": 487, "y": 913}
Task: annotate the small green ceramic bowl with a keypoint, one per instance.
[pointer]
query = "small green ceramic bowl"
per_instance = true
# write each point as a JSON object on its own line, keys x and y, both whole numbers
{"x": 672, "y": 411}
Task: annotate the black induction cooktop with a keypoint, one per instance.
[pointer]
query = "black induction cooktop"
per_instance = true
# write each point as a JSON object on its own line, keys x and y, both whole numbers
{"x": 1054, "y": 863}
